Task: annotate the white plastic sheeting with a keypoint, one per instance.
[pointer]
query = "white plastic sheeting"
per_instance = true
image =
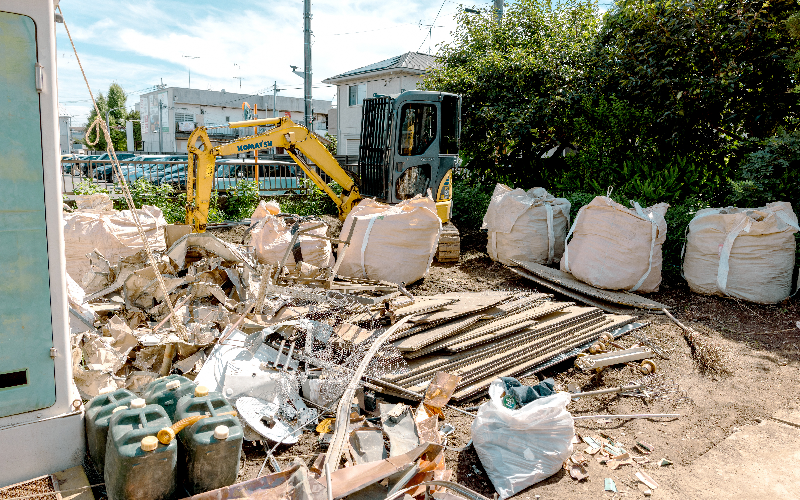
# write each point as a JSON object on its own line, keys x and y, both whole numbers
{"x": 617, "y": 248}
{"x": 112, "y": 233}
{"x": 521, "y": 447}
{"x": 528, "y": 226}
{"x": 747, "y": 253}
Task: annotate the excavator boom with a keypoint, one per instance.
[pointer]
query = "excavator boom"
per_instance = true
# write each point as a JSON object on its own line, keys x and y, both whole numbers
{"x": 297, "y": 141}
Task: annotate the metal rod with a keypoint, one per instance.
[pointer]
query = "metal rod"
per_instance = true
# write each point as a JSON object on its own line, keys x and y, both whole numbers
{"x": 328, "y": 481}
{"x": 168, "y": 316}
{"x": 640, "y": 415}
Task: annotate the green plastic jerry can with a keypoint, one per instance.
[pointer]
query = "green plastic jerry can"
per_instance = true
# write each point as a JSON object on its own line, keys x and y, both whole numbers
{"x": 138, "y": 466}
{"x": 98, "y": 415}
{"x": 166, "y": 391}
{"x": 210, "y": 448}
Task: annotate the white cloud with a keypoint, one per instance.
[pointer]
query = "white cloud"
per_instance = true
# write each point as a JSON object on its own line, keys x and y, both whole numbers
{"x": 139, "y": 43}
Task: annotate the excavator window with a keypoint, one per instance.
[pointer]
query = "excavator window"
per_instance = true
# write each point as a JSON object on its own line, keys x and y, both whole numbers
{"x": 449, "y": 142}
{"x": 417, "y": 128}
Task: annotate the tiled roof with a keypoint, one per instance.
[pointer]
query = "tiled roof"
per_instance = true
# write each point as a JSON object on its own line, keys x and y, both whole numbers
{"x": 414, "y": 61}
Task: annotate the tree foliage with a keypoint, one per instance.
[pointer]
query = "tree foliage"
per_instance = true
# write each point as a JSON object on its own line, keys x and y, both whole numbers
{"x": 665, "y": 100}
{"x": 113, "y": 103}
{"x": 517, "y": 79}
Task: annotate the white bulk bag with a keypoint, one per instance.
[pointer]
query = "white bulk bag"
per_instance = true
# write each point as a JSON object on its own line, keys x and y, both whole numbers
{"x": 617, "y": 248}
{"x": 521, "y": 447}
{"x": 271, "y": 236}
{"x": 113, "y": 233}
{"x": 394, "y": 243}
{"x": 747, "y": 253}
{"x": 526, "y": 226}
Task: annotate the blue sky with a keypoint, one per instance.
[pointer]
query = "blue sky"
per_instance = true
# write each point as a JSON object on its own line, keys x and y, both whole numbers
{"x": 139, "y": 43}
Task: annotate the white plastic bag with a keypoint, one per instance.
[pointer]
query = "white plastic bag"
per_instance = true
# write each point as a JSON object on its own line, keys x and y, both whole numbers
{"x": 521, "y": 447}
{"x": 747, "y": 253}
{"x": 527, "y": 226}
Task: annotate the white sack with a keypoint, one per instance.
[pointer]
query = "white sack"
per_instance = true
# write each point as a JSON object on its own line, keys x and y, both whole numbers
{"x": 97, "y": 201}
{"x": 528, "y": 226}
{"x": 270, "y": 237}
{"x": 112, "y": 233}
{"x": 394, "y": 243}
{"x": 521, "y": 447}
{"x": 747, "y": 253}
{"x": 263, "y": 209}
{"x": 617, "y": 248}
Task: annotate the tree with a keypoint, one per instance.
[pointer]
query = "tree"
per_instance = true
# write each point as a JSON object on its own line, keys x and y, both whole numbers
{"x": 518, "y": 79}
{"x": 115, "y": 105}
{"x": 711, "y": 72}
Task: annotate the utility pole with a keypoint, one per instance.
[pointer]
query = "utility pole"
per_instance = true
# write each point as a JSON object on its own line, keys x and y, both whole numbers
{"x": 160, "y": 127}
{"x": 307, "y": 62}
{"x": 498, "y": 10}
{"x": 275, "y": 90}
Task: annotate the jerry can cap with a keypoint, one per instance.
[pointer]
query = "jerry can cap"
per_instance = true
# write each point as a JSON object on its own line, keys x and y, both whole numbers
{"x": 221, "y": 432}
{"x": 138, "y": 403}
{"x": 200, "y": 391}
{"x": 173, "y": 384}
{"x": 149, "y": 443}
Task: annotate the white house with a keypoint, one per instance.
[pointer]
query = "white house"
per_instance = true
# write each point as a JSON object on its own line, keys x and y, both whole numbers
{"x": 179, "y": 110}
{"x": 391, "y": 76}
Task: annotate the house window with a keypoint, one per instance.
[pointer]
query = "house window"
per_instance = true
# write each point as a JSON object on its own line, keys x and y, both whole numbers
{"x": 357, "y": 94}
{"x": 228, "y": 119}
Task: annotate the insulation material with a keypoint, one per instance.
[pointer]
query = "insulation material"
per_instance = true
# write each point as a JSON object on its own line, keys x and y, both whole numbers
{"x": 528, "y": 225}
{"x": 271, "y": 237}
{"x": 617, "y": 248}
{"x": 112, "y": 233}
{"x": 747, "y": 253}
{"x": 394, "y": 243}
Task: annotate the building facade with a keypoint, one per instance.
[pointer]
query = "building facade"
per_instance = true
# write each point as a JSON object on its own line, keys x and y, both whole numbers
{"x": 391, "y": 76}
{"x": 170, "y": 114}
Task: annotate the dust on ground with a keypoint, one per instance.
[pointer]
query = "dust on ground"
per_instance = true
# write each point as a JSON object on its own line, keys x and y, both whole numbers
{"x": 762, "y": 352}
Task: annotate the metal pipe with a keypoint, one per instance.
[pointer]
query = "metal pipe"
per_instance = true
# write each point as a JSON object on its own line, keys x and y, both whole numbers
{"x": 640, "y": 415}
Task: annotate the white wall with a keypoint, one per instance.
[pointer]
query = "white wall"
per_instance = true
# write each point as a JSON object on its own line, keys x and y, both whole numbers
{"x": 349, "y": 119}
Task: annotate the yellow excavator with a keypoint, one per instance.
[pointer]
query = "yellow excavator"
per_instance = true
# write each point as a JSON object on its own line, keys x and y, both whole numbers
{"x": 409, "y": 146}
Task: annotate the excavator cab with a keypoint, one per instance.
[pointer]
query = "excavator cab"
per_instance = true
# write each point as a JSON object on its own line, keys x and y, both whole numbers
{"x": 409, "y": 145}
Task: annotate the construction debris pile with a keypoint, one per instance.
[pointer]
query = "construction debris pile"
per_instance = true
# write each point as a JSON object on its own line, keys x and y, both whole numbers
{"x": 286, "y": 345}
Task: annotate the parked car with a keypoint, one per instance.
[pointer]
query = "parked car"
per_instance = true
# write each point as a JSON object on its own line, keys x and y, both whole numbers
{"x": 104, "y": 171}
{"x": 86, "y": 168}
{"x": 132, "y": 172}
{"x": 158, "y": 174}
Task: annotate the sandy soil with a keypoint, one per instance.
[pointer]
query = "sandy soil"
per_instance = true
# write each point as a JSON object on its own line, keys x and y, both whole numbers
{"x": 761, "y": 352}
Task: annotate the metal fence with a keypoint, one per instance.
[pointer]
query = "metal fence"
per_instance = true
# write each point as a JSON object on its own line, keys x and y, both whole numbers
{"x": 274, "y": 178}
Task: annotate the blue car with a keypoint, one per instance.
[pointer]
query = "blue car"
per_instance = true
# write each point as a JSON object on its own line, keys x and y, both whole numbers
{"x": 132, "y": 172}
{"x": 104, "y": 171}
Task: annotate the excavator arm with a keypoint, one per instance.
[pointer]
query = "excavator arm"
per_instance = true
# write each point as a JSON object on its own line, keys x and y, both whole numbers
{"x": 286, "y": 134}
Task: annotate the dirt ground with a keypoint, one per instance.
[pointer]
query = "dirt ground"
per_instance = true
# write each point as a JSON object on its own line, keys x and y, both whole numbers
{"x": 759, "y": 345}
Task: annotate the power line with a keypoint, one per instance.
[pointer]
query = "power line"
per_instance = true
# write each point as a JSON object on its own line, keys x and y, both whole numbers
{"x": 431, "y": 27}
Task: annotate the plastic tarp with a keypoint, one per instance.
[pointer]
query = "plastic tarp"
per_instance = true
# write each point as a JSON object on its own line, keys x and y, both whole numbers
{"x": 617, "y": 248}
{"x": 271, "y": 237}
{"x": 394, "y": 243}
{"x": 528, "y": 226}
{"x": 521, "y": 447}
{"x": 113, "y": 233}
{"x": 747, "y": 253}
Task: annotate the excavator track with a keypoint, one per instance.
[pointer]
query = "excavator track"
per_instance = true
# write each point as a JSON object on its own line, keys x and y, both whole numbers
{"x": 449, "y": 244}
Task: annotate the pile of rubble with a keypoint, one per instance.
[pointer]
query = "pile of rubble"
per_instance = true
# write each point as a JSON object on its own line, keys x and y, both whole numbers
{"x": 297, "y": 347}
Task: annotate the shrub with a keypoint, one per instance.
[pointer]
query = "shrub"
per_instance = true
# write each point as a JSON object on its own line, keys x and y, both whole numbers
{"x": 771, "y": 173}
{"x": 242, "y": 200}
{"x": 470, "y": 202}
{"x": 314, "y": 202}
{"x": 88, "y": 186}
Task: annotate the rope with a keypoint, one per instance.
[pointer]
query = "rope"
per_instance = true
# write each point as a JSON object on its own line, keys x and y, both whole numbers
{"x": 99, "y": 123}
